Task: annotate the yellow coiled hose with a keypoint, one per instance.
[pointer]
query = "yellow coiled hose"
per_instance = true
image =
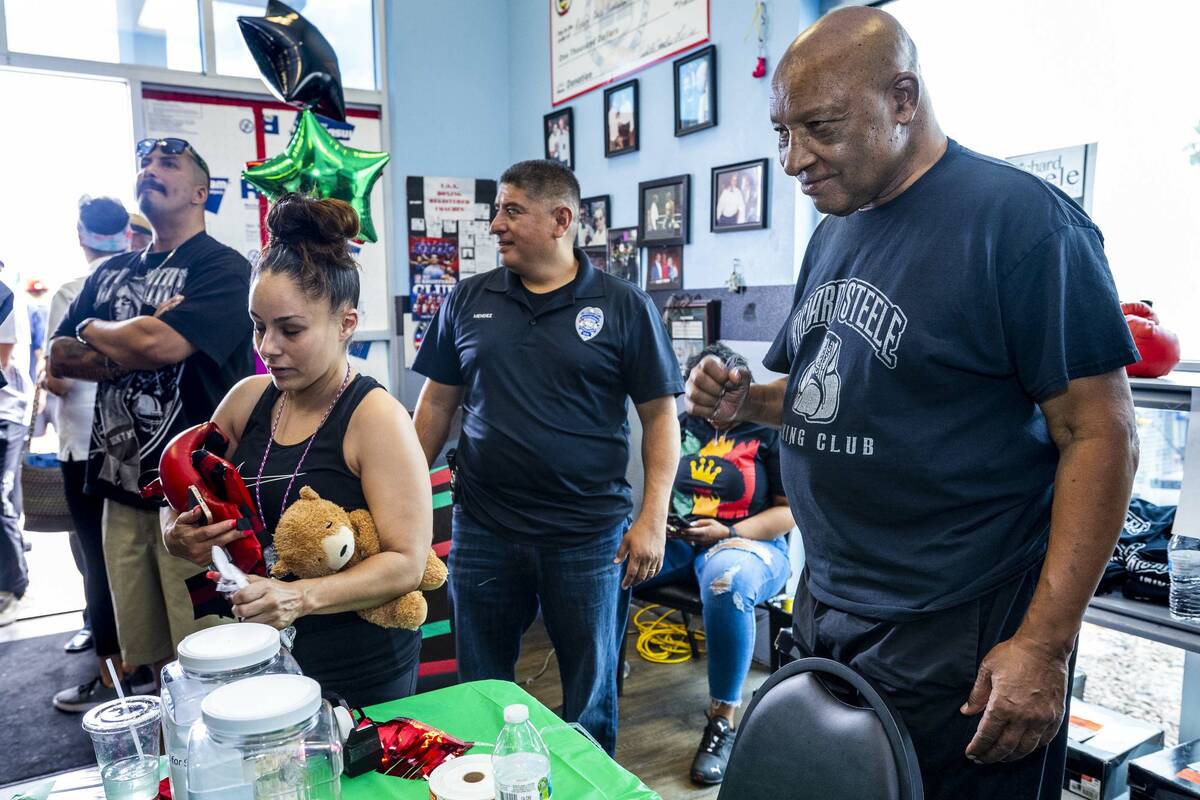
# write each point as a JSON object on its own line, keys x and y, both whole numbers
{"x": 661, "y": 641}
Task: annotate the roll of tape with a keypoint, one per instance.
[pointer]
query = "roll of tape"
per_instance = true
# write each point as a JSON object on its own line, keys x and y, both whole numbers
{"x": 463, "y": 778}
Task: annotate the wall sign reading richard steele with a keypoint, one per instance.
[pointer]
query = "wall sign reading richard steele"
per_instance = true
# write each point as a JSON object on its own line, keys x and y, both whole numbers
{"x": 593, "y": 42}
{"x": 1069, "y": 168}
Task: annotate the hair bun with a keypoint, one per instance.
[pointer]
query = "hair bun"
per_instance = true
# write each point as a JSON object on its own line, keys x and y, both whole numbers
{"x": 296, "y": 220}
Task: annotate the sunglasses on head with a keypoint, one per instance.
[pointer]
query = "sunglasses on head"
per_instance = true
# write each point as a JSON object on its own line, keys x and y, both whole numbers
{"x": 172, "y": 147}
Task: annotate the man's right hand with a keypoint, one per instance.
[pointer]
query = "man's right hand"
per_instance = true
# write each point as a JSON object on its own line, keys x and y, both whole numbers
{"x": 716, "y": 393}
{"x": 187, "y": 537}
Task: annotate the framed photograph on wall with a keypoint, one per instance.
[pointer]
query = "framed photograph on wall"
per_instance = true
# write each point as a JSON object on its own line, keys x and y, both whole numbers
{"x": 594, "y": 214}
{"x": 559, "y": 132}
{"x": 623, "y": 254}
{"x": 696, "y": 91}
{"x": 597, "y": 257}
{"x": 692, "y": 325}
{"x": 664, "y": 208}
{"x": 621, "y": 125}
{"x": 738, "y": 199}
{"x": 664, "y": 267}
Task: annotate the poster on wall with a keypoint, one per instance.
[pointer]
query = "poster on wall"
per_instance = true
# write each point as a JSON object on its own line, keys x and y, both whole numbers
{"x": 231, "y": 131}
{"x": 1069, "y": 168}
{"x": 448, "y": 240}
{"x": 593, "y": 43}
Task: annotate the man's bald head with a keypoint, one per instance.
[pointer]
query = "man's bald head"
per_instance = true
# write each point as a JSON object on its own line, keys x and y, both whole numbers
{"x": 859, "y": 45}
{"x": 848, "y": 101}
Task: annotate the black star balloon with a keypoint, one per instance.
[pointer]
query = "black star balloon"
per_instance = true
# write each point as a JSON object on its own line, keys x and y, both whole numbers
{"x": 315, "y": 163}
{"x": 295, "y": 59}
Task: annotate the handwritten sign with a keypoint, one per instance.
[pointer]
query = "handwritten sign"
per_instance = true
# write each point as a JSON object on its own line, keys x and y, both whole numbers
{"x": 593, "y": 42}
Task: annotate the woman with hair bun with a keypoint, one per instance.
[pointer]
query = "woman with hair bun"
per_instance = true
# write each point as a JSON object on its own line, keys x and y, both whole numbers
{"x": 314, "y": 422}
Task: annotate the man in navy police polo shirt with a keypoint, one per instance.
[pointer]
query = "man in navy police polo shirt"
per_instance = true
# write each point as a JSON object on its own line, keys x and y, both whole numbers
{"x": 541, "y": 356}
{"x": 957, "y": 433}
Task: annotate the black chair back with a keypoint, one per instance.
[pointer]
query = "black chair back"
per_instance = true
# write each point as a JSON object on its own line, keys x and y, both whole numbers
{"x": 817, "y": 729}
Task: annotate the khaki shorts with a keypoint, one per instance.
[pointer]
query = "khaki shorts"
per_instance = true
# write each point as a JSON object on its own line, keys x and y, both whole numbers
{"x": 151, "y": 601}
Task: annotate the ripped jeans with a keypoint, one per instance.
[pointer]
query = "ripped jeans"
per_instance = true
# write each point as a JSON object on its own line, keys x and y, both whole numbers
{"x": 734, "y": 576}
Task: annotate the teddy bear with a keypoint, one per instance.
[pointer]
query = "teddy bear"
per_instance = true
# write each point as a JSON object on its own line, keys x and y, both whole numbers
{"x": 316, "y": 537}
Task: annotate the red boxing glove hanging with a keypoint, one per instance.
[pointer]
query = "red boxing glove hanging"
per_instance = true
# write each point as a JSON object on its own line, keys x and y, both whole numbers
{"x": 1158, "y": 347}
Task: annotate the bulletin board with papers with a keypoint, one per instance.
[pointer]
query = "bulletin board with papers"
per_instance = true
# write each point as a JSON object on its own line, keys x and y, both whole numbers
{"x": 449, "y": 239}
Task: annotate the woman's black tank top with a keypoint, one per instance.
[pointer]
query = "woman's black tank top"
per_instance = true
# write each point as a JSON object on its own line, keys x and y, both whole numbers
{"x": 343, "y": 652}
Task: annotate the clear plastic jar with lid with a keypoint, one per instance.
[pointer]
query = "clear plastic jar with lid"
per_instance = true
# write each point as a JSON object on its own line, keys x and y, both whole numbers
{"x": 209, "y": 659}
{"x": 266, "y": 738}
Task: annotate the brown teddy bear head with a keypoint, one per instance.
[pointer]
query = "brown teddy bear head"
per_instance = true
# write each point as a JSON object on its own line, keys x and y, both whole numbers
{"x": 314, "y": 538}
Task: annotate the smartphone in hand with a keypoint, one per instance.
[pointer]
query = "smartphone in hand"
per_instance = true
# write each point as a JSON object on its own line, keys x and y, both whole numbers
{"x": 677, "y": 526}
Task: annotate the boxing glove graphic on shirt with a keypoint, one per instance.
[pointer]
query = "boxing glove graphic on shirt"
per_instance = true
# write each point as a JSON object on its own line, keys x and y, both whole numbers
{"x": 817, "y": 393}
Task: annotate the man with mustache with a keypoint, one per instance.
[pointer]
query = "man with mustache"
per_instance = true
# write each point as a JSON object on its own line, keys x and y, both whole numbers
{"x": 164, "y": 333}
{"x": 957, "y": 435}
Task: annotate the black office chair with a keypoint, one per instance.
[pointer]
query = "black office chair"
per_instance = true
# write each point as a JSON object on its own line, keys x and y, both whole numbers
{"x": 817, "y": 729}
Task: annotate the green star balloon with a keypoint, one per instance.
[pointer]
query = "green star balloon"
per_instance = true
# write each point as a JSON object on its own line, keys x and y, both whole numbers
{"x": 315, "y": 163}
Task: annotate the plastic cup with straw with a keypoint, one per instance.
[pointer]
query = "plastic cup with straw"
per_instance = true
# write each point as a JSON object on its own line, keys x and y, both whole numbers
{"x": 128, "y": 772}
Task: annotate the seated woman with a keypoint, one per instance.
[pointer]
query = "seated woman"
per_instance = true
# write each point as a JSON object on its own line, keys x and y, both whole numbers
{"x": 729, "y": 492}
{"x": 314, "y": 422}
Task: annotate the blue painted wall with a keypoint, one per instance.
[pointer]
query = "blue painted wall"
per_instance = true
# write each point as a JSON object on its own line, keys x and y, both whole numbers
{"x": 469, "y": 83}
{"x": 743, "y": 132}
{"x": 447, "y": 98}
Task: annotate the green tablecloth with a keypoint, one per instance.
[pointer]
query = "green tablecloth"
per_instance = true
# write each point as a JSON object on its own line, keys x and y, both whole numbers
{"x": 471, "y": 711}
{"x": 475, "y": 711}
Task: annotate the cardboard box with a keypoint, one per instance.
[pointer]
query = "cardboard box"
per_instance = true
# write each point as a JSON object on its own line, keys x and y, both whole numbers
{"x": 1101, "y": 745}
{"x": 1172, "y": 774}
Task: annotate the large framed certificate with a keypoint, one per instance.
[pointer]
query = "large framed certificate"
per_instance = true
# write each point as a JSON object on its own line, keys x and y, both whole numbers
{"x": 594, "y": 42}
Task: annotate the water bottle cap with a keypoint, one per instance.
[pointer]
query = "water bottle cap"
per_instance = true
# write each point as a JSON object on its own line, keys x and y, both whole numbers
{"x": 516, "y": 714}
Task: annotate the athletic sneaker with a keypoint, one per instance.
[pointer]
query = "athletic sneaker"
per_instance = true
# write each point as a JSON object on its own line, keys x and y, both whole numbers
{"x": 713, "y": 754}
{"x": 142, "y": 681}
{"x": 87, "y": 696}
{"x": 84, "y": 697}
{"x": 9, "y": 605}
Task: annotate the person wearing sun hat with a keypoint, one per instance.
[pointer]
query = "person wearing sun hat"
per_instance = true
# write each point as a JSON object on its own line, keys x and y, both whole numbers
{"x": 140, "y": 232}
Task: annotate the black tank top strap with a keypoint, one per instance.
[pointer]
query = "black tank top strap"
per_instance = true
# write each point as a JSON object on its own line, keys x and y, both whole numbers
{"x": 261, "y": 414}
{"x": 339, "y": 418}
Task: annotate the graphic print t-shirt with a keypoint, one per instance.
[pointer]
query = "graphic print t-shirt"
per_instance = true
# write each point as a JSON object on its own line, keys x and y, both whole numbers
{"x": 726, "y": 475}
{"x": 138, "y": 413}
{"x": 923, "y": 335}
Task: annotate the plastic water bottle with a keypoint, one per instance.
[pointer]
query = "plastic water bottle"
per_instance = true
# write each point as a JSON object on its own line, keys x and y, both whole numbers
{"x": 1183, "y": 554}
{"x": 520, "y": 762}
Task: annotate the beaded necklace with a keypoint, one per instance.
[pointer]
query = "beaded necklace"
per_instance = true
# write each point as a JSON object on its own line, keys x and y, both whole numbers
{"x": 311, "y": 439}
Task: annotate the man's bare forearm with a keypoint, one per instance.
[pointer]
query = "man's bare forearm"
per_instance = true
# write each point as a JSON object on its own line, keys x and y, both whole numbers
{"x": 1091, "y": 496}
{"x": 433, "y": 428}
{"x": 72, "y": 359}
{"x": 660, "y": 458}
{"x": 764, "y": 403}
{"x": 433, "y": 416}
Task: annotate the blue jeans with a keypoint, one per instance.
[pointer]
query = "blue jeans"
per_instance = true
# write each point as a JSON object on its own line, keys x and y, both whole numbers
{"x": 734, "y": 576}
{"x": 496, "y": 587}
{"x": 14, "y": 571}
